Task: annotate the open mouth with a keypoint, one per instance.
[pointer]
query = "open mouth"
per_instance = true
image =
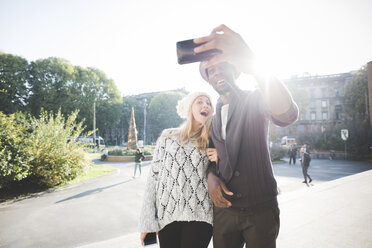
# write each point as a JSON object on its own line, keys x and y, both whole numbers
{"x": 205, "y": 114}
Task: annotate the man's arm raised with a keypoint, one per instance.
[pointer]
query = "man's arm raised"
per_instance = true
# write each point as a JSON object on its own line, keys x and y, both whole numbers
{"x": 236, "y": 52}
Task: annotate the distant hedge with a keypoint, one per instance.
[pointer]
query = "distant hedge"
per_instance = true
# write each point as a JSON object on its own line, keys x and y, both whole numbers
{"x": 277, "y": 152}
{"x": 44, "y": 148}
{"x": 116, "y": 151}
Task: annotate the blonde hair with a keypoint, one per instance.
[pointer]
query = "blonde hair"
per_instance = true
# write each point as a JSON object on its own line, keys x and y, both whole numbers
{"x": 185, "y": 134}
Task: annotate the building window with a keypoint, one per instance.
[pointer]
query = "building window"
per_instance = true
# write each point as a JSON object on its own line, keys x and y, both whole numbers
{"x": 312, "y": 105}
{"x": 324, "y": 92}
{"x": 325, "y": 116}
{"x": 312, "y": 93}
{"x": 338, "y": 115}
{"x": 313, "y": 116}
{"x": 324, "y": 103}
{"x": 337, "y": 92}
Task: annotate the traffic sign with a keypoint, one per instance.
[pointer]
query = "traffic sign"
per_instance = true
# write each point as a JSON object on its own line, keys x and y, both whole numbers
{"x": 344, "y": 134}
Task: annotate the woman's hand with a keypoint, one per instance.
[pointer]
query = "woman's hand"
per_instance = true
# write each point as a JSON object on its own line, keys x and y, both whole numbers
{"x": 142, "y": 237}
{"x": 215, "y": 188}
{"x": 212, "y": 154}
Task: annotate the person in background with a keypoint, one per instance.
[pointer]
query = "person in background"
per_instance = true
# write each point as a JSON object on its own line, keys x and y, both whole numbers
{"x": 302, "y": 152}
{"x": 104, "y": 154}
{"x": 306, "y": 158}
{"x": 176, "y": 202}
{"x": 138, "y": 157}
{"x": 292, "y": 153}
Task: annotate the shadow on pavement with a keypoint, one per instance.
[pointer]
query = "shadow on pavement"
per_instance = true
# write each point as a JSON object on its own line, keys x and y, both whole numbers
{"x": 93, "y": 191}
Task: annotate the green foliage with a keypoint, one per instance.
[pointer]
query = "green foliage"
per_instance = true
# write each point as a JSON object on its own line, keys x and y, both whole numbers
{"x": 277, "y": 152}
{"x": 163, "y": 113}
{"x": 58, "y": 157}
{"x": 360, "y": 138}
{"x": 54, "y": 84}
{"x": 357, "y": 94}
{"x": 125, "y": 152}
{"x": 14, "y": 153}
{"x": 49, "y": 81}
{"x": 13, "y": 83}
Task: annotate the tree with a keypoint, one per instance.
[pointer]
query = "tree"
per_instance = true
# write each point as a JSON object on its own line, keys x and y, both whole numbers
{"x": 49, "y": 81}
{"x": 360, "y": 130}
{"x": 13, "y": 83}
{"x": 109, "y": 102}
{"x": 163, "y": 113}
{"x": 357, "y": 94}
{"x": 56, "y": 84}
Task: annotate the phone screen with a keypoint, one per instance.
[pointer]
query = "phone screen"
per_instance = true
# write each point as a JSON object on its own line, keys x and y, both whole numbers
{"x": 150, "y": 239}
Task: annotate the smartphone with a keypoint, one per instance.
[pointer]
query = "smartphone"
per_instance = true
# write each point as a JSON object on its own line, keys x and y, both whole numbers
{"x": 150, "y": 239}
{"x": 185, "y": 52}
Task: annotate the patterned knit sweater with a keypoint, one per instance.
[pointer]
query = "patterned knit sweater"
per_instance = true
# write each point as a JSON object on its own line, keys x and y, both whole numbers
{"x": 176, "y": 188}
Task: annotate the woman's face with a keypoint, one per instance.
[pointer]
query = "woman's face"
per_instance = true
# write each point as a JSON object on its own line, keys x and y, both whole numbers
{"x": 201, "y": 109}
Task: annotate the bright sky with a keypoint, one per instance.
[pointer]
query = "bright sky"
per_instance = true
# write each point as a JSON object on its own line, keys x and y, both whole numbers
{"x": 134, "y": 41}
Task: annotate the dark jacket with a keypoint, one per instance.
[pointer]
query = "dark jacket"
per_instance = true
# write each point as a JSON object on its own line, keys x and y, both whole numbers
{"x": 138, "y": 157}
{"x": 244, "y": 159}
{"x": 307, "y": 159}
{"x": 292, "y": 152}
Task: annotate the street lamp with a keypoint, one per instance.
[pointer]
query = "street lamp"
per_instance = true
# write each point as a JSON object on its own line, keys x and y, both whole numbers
{"x": 144, "y": 121}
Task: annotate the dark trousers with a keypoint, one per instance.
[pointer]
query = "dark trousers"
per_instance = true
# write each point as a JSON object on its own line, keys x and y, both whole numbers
{"x": 256, "y": 229}
{"x": 182, "y": 234}
{"x": 305, "y": 168}
{"x": 292, "y": 158}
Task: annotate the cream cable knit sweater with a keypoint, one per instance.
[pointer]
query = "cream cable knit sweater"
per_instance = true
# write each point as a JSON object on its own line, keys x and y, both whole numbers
{"x": 176, "y": 188}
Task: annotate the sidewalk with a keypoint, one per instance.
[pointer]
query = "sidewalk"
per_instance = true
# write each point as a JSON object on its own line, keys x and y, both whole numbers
{"x": 333, "y": 214}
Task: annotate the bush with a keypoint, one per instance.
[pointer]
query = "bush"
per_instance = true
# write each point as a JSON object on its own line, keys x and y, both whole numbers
{"x": 277, "y": 152}
{"x": 14, "y": 153}
{"x": 116, "y": 151}
{"x": 57, "y": 156}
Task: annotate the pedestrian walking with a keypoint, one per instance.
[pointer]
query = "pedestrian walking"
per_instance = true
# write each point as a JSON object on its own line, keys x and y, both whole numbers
{"x": 176, "y": 202}
{"x": 138, "y": 157}
{"x": 305, "y": 162}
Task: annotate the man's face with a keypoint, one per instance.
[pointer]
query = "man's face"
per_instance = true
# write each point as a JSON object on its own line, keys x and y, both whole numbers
{"x": 221, "y": 77}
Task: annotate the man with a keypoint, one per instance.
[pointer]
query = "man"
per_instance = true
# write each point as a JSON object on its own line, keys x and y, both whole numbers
{"x": 242, "y": 185}
{"x": 292, "y": 153}
{"x": 305, "y": 162}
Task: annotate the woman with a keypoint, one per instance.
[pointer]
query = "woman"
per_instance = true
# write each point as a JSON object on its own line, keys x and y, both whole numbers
{"x": 176, "y": 201}
{"x": 138, "y": 157}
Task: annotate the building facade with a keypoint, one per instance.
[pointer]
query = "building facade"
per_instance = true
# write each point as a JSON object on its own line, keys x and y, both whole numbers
{"x": 321, "y": 100}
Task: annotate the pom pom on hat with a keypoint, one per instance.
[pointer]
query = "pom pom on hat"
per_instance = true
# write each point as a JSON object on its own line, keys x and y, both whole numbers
{"x": 184, "y": 105}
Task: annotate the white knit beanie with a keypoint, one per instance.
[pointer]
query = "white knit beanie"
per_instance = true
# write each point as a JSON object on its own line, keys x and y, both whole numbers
{"x": 184, "y": 105}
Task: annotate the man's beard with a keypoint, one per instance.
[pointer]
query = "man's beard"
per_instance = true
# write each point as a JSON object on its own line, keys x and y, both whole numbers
{"x": 229, "y": 84}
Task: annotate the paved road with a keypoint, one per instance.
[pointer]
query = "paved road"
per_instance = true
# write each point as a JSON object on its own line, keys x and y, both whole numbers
{"x": 107, "y": 207}
{"x": 290, "y": 177}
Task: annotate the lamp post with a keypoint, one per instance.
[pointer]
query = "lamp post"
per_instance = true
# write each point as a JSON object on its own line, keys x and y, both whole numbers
{"x": 94, "y": 123}
{"x": 144, "y": 121}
